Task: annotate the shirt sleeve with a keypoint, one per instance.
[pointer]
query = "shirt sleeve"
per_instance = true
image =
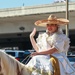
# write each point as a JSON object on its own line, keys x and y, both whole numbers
{"x": 62, "y": 44}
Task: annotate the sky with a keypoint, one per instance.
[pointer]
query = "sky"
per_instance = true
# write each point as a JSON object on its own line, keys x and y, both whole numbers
{"x": 19, "y": 3}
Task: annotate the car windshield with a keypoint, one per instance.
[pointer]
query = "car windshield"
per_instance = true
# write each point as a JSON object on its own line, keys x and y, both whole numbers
{"x": 71, "y": 58}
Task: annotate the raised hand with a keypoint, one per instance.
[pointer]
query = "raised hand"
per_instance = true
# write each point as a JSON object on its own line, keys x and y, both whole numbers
{"x": 33, "y": 33}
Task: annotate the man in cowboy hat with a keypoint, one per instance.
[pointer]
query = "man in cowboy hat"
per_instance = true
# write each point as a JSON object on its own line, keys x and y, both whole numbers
{"x": 51, "y": 47}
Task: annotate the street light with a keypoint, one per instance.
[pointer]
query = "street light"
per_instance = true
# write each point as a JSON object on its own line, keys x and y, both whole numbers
{"x": 22, "y": 28}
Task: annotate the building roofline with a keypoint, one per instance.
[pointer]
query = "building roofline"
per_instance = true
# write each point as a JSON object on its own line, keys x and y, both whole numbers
{"x": 38, "y": 9}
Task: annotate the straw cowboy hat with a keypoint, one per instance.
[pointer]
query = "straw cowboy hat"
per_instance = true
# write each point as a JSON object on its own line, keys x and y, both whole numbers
{"x": 52, "y": 19}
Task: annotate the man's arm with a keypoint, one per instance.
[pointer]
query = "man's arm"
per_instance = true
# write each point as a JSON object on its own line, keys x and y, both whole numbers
{"x": 33, "y": 42}
{"x": 49, "y": 51}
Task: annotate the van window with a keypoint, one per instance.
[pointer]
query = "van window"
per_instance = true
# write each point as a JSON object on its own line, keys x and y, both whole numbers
{"x": 21, "y": 54}
{"x": 11, "y": 53}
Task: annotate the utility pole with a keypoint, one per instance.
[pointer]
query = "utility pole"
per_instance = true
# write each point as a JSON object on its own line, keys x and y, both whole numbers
{"x": 67, "y": 17}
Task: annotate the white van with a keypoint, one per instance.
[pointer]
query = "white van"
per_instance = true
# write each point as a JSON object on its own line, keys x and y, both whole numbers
{"x": 18, "y": 54}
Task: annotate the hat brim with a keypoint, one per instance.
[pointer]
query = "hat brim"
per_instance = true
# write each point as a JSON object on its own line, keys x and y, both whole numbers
{"x": 60, "y": 21}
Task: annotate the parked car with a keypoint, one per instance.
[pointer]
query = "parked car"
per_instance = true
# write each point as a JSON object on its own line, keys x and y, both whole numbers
{"x": 27, "y": 56}
{"x": 72, "y": 60}
{"x": 71, "y": 53}
{"x": 22, "y": 56}
{"x": 18, "y": 54}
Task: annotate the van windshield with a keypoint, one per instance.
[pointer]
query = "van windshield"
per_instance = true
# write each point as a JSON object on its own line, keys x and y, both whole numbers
{"x": 11, "y": 53}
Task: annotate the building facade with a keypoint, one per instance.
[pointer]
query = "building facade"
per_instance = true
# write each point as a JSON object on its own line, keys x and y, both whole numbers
{"x": 17, "y": 23}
